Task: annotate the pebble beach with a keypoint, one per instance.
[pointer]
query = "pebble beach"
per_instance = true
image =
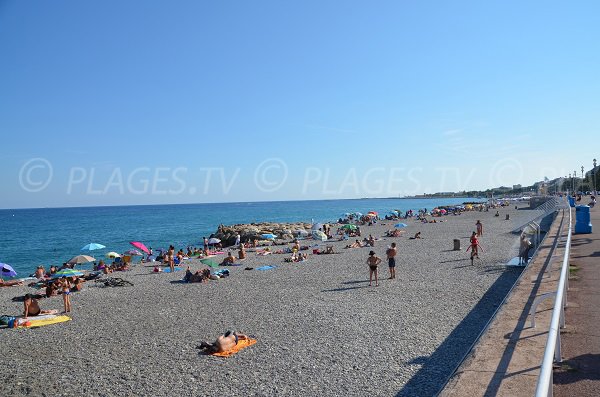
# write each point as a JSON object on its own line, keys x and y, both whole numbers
{"x": 321, "y": 329}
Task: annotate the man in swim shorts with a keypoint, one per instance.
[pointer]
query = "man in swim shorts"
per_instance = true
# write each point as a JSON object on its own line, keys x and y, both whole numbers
{"x": 373, "y": 261}
{"x": 391, "y": 256}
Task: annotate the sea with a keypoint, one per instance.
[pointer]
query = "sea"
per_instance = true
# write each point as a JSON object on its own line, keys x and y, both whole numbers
{"x": 51, "y": 236}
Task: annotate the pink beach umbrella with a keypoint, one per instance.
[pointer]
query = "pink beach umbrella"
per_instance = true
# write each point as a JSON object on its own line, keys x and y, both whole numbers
{"x": 140, "y": 246}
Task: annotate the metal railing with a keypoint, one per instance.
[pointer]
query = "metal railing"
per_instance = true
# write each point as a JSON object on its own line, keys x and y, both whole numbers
{"x": 552, "y": 352}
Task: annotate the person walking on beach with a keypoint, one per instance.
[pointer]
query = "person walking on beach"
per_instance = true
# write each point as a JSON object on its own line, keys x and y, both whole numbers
{"x": 391, "y": 256}
{"x": 474, "y": 247}
{"x": 238, "y": 239}
{"x": 479, "y": 226}
{"x": 373, "y": 261}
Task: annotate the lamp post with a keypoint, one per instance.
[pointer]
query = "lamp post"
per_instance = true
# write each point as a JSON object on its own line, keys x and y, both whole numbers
{"x": 574, "y": 176}
{"x": 594, "y": 176}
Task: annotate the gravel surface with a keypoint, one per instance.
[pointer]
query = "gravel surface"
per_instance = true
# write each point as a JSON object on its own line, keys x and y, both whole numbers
{"x": 321, "y": 329}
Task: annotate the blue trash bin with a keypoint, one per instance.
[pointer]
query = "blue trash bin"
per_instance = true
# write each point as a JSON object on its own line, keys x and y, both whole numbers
{"x": 571, "y": 201}
{"x": 583, "y": 222}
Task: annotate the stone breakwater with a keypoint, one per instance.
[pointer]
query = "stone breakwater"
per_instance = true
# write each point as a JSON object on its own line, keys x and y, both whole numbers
{"x": 251, "y": 231}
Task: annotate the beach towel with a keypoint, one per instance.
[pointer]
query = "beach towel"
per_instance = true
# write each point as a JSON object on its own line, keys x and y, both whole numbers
{"x": 168, "y": 270}
{"x": 41, "y": 320}
{"x": 267, "y": 267}
{"x": 242, "y": 344}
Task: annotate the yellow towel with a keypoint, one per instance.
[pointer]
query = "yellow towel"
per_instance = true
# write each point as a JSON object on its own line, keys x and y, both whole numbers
{"x": 32, "y": 323}
{"x": 242, "y": 344}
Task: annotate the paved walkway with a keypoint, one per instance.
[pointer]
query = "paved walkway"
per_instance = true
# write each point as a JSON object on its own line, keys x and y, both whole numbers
{"x": 506, "y": 361}
{"x": 579, "y": 374}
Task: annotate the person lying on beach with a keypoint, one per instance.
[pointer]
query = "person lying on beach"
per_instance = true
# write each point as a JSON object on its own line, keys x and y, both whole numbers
{"x": 228, "y": 260}
{"x": 223, "y": 343}
{"x": 10, "y": 283}
{"x": 201, "y": 276}
{"x": 32, "y": 308}
{"x": 356, "y": 244}
{"x": 417, "y": 235}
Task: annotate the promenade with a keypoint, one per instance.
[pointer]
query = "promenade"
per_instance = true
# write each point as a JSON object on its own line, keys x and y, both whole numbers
{"x": 579, "y": 374}
{"x": 506, "y": 361}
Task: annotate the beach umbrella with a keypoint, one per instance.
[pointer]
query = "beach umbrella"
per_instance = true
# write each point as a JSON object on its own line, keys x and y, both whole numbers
{"x": 133, "y": 253}
{"x": 269, "y": 236}
{"x": 317, "y": 226}
{"x": 214, "y": 240}
{"x": 79, "y": 259}
{"x": 346, "y": 215}
{"x": 67, "y": 273}
{"x": 113, "y": 254}
{"x": 349, "y": 227}
{"x": 301, "y": 232}
{"x": 140, "y": 246}
{"x": 399, "y": 225}
{"x": 92, "y": 246}
{"x": 358, "y": 213}
{"x": 374, "y": 212}
{"x": 7, "y": 270}
{"x": 209, "y": 262}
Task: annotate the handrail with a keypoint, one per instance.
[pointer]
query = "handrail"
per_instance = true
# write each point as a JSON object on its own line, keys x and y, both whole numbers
{"x": 552, "y": 351}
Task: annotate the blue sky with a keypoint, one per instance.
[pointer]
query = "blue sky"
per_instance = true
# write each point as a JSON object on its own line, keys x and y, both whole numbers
{"x": 140, "y": 102}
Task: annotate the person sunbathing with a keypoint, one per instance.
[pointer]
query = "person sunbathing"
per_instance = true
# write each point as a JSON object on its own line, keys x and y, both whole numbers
{"x": 10, "y": 283}
{"x": 32, "y": 307}
{"x": 242, "y": 252}
{"x": 228, "y": 260}
{"x": 223, "y": 343}
{"x": 417, "y": 236}
{"x": 356, "y": 244}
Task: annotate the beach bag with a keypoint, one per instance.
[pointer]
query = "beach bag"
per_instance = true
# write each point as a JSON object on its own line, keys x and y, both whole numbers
{"x": 6, "y": 320}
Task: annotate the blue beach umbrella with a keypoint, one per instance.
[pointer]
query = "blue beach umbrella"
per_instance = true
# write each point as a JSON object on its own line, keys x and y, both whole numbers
{"x": 269, "y": 236}
{"x": 7, "y": 270}
{"x": 399, "y": 225}
{"x": 92, "y": 246}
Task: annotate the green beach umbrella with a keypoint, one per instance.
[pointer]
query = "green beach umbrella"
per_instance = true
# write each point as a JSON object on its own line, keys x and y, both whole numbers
{"x": 209, "y": 262}
{"x": 349, "y": 227}
{"x": 67, "y": 273}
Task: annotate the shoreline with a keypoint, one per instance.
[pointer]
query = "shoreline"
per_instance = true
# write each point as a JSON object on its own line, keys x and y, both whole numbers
{"x": 210, "y": 230}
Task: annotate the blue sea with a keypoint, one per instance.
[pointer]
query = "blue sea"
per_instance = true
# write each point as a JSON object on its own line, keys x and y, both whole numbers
{"x": 51, "y": 236}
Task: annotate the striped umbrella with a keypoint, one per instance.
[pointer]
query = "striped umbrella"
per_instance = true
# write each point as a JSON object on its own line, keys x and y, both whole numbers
{"x": 67, "y": 273}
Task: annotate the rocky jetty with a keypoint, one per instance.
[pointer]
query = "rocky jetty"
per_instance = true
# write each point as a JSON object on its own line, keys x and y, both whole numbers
{"x": 251, "y": 231}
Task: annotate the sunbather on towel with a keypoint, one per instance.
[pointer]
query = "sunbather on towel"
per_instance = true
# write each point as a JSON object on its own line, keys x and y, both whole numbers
{"x": 223, "y": 343}
{"x": 32, "y": 307}
{"x": 229, "y": 259}
{"x": 10, "y": 283}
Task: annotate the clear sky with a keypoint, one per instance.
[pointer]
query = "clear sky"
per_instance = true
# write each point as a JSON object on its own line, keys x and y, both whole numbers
{"x": 139, "y": 102}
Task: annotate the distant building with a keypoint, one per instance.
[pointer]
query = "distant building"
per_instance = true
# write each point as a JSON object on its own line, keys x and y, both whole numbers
{"x": 516, "y": 187}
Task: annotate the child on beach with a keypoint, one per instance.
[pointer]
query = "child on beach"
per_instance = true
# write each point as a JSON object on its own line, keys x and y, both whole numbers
{"x": 479, "y": 226}
{"x": 373, "y": 261}
{"x": 474, "y": 247}
{"x": 66, "y": 293}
